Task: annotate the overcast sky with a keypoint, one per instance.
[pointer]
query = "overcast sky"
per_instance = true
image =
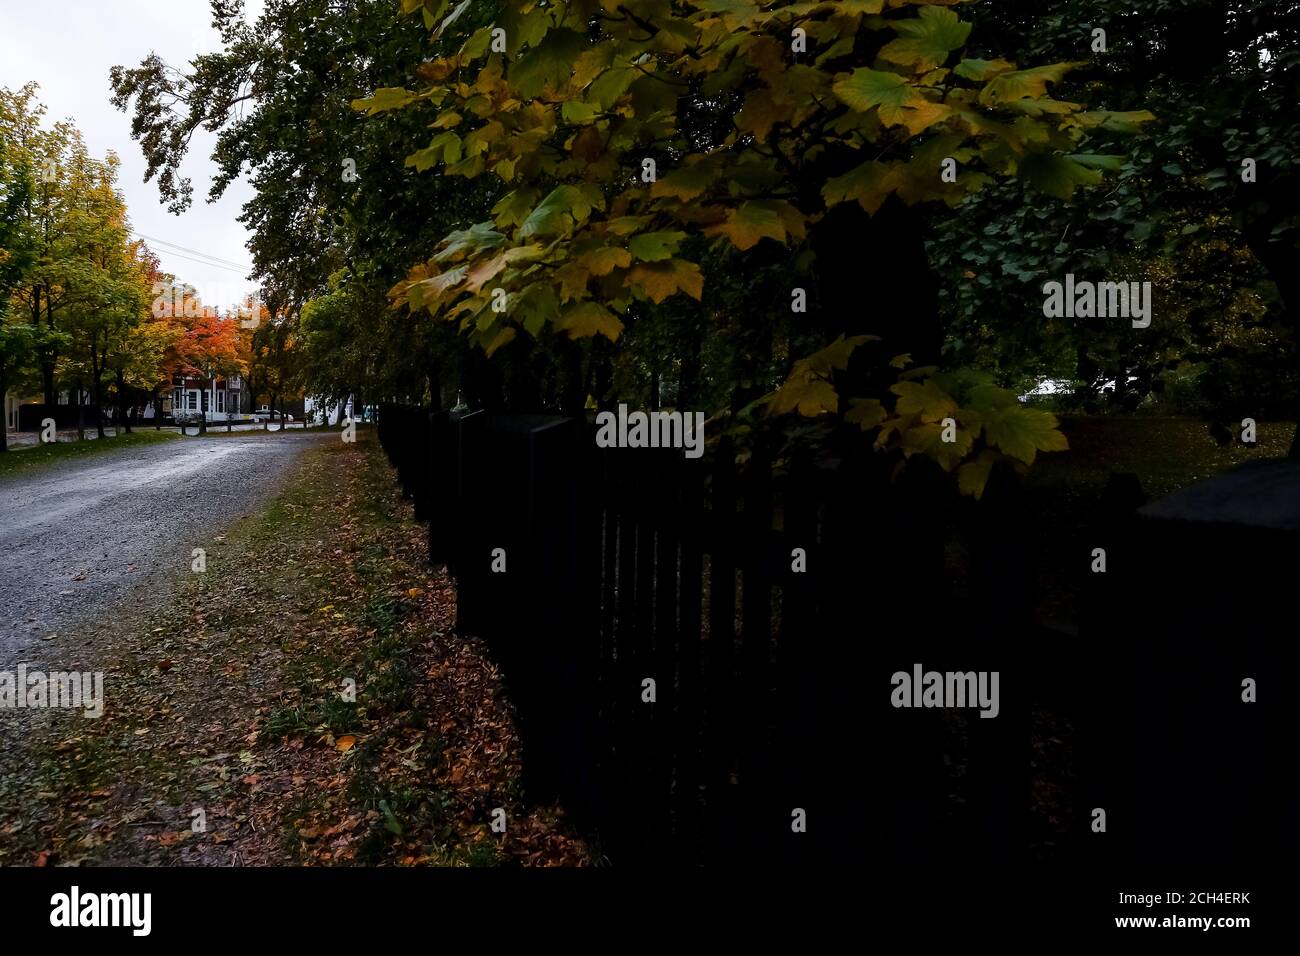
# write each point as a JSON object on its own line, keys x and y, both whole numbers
{"x": 68, "y": 48}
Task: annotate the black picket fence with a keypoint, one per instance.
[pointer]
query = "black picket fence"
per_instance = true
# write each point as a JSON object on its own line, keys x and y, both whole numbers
{"x": 760, "y": 603}
{"x": 770, "y": 696}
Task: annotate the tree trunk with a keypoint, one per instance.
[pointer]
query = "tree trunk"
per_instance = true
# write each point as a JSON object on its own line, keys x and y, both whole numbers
{"x": 689, "y": 377}
{"x": 4, "y": 412}
{"x": 124, "y": 420}
{"x": 874, "y": 277}
{"x": 203, "y": 410}
{"x": 99, "y": 404}
{"x": 81, "y": 415}
{"x": 48, "y": 365}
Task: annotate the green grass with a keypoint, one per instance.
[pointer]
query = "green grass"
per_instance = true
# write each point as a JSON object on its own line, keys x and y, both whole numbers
{"x": 1065, "y": 488}
{"x": 1165, "y": 453}
{"x": 24, "y": 458}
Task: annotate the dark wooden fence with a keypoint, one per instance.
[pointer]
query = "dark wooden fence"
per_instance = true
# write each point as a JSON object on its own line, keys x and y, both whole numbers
{"x": 771, "y": 686}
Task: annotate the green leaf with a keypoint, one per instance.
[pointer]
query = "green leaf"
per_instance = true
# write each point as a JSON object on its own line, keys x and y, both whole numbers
{"x": 387, "y": 98}
{"x": 809, "y": 397}
{"x": 476, "y": 238}
{"x": 1099, "y": 161}
{"x": 926, "y": 41}
{"x": 1021, "y": 83}
{"x": 981, "y": 70}
{"x": 552, "y": 215}
{"x": 391, "y": 823}
{"x": 869, "y": 184}
{"x": 923, "y": 398}
{"x": 655, "y": 246}
{"x": 685, "y": 183}
{"x": 513, "y": 208}
{"x": 549, "y": 63}
{"x": 535, "y": 306}
{"x": 974, "y": 475}
{"x": 1023, "y": 432}
{"x": 1126, "y": 122}
{"x": 865, "y": 412}
{"x": 866, "y": 88}
{"x": 610, "y": 85}
{"x": 926, "y": 438}
{"x": 577, "y": 112}
{"x": 1056, "y": 175}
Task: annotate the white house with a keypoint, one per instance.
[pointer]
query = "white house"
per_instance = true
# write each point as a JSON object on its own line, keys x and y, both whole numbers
{"x": 224, "y": 399}
{"x": 317, "y": 413}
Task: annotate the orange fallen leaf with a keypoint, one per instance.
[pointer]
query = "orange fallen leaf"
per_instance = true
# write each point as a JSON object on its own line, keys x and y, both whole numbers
{"x": 344, "y": 743}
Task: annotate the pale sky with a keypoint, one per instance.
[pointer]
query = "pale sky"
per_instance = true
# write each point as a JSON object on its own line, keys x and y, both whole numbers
{"x": 68, "y": 48}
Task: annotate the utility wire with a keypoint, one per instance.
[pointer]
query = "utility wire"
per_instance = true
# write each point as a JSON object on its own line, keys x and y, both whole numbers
{"x": 213, "y": 265}
{"x": 164, "y": 242}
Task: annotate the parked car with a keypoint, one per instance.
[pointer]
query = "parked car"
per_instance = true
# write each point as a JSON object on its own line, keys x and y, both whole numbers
{"x": 266, "y": 413}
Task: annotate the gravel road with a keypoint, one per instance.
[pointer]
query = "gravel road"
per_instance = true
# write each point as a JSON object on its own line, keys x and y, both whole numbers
{"x": 78, "y": 536}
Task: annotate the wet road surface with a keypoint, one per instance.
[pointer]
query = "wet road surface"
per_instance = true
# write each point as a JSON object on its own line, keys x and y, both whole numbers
{"x": 76, "y": 536}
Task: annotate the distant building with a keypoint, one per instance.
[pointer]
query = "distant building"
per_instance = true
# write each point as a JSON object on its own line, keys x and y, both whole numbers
{"x": 317, "y": 413}
{"x": 227, "y": 398}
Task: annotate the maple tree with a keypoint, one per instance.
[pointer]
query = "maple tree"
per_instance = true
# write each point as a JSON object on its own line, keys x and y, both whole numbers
{"x": 844, "y": 113}
{"x": 209, "y": 348}
{"x": 70, "y": 267}
{"x": 1221, "y": 246}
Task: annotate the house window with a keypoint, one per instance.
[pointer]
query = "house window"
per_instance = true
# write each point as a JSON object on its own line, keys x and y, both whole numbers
{"x": 221, "y": 401}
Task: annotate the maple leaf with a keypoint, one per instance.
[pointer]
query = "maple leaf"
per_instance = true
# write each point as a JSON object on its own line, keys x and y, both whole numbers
{"x": 751, "y": 222}
{"x": 926, "y": 41}
{"x": 974, "y": 475}
{"x": 923, "y": 398}
{"x": 1021, "y": 83}
{"x": 1023, "y": 432}
{"x": 869, "y": 184}
{"x": 659, "y": 280}
{"x": 605, "y": 259}
{"x": 866, "y": 88}
{"x": 590, "y": 318}
{"x": 655, "y": 246}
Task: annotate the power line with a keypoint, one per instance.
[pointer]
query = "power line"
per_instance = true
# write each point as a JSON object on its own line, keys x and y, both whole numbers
{"x": 174, "y": 245}
{"x": 242, "y": 270}
{"x": 196, "y": 252}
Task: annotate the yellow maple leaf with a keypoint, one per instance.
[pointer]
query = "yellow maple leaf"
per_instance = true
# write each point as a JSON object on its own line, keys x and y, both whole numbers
{"x": 659, "y": 280}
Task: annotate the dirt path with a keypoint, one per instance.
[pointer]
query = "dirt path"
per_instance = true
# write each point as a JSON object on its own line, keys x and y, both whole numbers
{"x": 75, "y": 534}
{"x": 230, "y": 733}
